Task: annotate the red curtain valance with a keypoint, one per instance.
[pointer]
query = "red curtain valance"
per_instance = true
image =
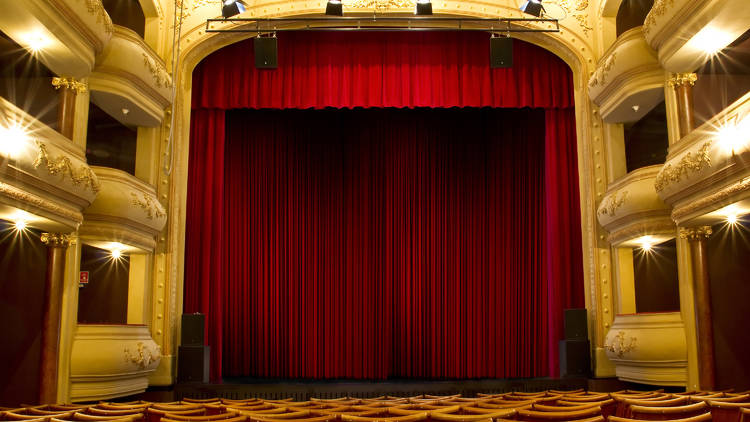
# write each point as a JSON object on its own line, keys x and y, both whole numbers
{"x": 319, "y": 70}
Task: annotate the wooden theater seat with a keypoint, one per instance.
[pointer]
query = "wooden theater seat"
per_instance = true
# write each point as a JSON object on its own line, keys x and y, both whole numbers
{"x": 660, "y": 413}
{"x": 385, "y": 416}
{"x": 78, "y": 416}
{"x": 472, "y": 415}
{"x": 727, "y": 412}
{"x": 706, "y": 417}
{"x": 23, "y": 415}
{"x": 225, "y": 417}
{"x": 575, "y": 392}
{"x": 537, "y": 416}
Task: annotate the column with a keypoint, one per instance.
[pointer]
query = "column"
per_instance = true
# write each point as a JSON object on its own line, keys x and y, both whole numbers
{"x": 57, "y": 245}
{"x": 698, "y": 239}
{"x": 683, "y": 87}
{"x": 68, "y": 88}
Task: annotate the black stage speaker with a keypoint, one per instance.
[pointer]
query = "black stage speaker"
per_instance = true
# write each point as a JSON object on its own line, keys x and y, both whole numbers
{"x": 501, "y": 52}
{"x": 575, "y": 324}
{"x": 193, "y": 329}
{"x": 266, "y": 52}
{"x": 193, "y": 363}
{"x": 575, "y": 358}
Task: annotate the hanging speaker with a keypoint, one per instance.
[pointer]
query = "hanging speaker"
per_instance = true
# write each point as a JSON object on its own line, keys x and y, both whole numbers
{"x": 501, "y": 52}
{"x": 576, "y": 324}
{"x": 266, "y": 52}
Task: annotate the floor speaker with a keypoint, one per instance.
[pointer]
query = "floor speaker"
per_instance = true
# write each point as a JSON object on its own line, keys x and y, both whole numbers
{"x": 193, "y": 329}
{"x": 501, "y": 52}
{"x": 266, "y": 52}
{"x": 575, "y": 324}
{"x": 193, "y": 363}
{"x": 575, "y": 358}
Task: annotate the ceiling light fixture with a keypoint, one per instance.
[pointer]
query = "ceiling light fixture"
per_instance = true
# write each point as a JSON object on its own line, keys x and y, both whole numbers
{"x": 12, "y": 140}
{"x": 711, "y": 40}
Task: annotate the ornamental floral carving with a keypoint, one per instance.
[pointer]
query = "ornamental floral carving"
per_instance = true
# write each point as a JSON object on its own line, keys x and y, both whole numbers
{"x": 148, "y": 205}
{"x": 95, "y": 7}
{"x": 143, "y": 356}
{"x": 69, "y": 83}
{"x": 690, "y": 162}
{"x": 682, "y": 79}
{"x": 657, "y": 10}
{"x": 382, "y": 5}
{"x": 619, "y": 345}
{"x": 714, "y": 198}
{"x": 696, "y": 233}
{"x": 600, "y": 76}
{"x": 613, "y": 203}
{"x": 577, "y": 9}
{"x": 56, "y": 240}
{"x": 37, "y": 201}
{"x": 64, "y": 167}
{"x": 159, "y": 73}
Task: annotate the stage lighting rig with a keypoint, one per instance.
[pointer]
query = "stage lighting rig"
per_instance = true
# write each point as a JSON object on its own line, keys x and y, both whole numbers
{"x": 334, "y": 8}
{"x": 533, "y": 7}
{"x": 424, "y": 7}
{"x": 232, "y": 8}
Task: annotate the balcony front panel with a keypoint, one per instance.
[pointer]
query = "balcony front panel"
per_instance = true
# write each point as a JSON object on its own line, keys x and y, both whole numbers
{"x": 628, "y": 81}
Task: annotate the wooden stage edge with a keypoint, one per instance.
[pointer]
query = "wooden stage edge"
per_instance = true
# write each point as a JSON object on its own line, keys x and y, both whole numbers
{"x": 238, "y": 389}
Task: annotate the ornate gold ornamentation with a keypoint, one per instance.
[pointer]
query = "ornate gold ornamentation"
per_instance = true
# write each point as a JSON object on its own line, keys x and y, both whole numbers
{"x": 620, "y": 346}
{"x": 63, "y": 166}
{"x": 658, "y": 9}
{"x": 382, "y": 5}
{"x": 695, "y": 233}
{"x": 144, "y": 356}
{"x": 682, "y": 79}
{"x": 69, "y": 83}
{"x": 148, "y": 205}
{"x": 95, "y": 7}
{"x": 57, "y": 240}
{"x": 692, "y": 162}
{"x": 714, "y": 198}
{"x": 577, "y": 9}
{"x": 613, "y": 203}
{"x": 36, "y": 201}
{"x": 600, "y": 77}
{"x": 161, "y": 77}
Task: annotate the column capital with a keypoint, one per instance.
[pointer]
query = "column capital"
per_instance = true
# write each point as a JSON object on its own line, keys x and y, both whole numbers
{"x": 70, "y": 83}
{"x": 682, "y": 79}
{"x": 695, "y": 233}
{"x": 57, "y": 240}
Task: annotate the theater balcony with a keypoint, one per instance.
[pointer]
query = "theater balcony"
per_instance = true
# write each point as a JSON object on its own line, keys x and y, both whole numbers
{"x": 130, "y": 81}
{"x": 69, "y": 49}
{"x": 628, "y": 81}
{"x": 126, "y": 212}
{"x": 649, "y": 348}
{"x": 45, "y": 178}
{"x": 631, "y": 210}
{"x": 111, "y": 361}
{"x": 681, "y": 31}
{"x": 707, "y": 174}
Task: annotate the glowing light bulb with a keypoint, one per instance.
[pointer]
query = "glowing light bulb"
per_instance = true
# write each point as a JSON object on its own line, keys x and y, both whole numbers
{"x": 732, "y": 219}
{"x": 116, "y": 253}
{"x": 20, "y": 225}
{"x": 730, "y": 138}
{"x": 711, "y": 40}
{"x": 12, "y": 140}
{"x": 646, "y": 246}
{"x": 36, "y": 41}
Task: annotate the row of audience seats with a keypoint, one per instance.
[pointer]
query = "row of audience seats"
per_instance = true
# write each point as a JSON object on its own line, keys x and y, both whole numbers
{"x": 547, "y": 406}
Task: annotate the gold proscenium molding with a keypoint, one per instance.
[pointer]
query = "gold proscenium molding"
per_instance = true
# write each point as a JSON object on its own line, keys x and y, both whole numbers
{"x": 619, "y": 346}
{"x": 148, "y": 206}
{"x": 143, "y": 356}
{"x": 613, "y": 203}
{"x": 692, "y": 162}
{"x": 63, "y": 166}
{"x": 382, "y": 5}
{"x": 69, "y": 83}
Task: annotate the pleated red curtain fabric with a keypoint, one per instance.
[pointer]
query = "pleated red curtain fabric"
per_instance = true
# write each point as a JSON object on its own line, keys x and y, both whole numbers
{"x": 392, "y": 69}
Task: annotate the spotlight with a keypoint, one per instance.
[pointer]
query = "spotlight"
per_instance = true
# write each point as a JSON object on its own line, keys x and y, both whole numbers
{"x": 711, "y": 40}
{"x": 334, "y": 8}
{"x": 424, "y": 7}
{"x": 36, "y": 41}
{"x": 732, "y": 219}
{"x": 12, "y": 140}
{"x": 533, "y": 7}
{"x": 232, "y": 8}
{"x": 116, "y": 253}
{"x": 647, "y": 243}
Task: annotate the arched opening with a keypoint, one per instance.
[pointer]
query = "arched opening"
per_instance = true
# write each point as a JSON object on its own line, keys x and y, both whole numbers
{"x": 127, "y": 13}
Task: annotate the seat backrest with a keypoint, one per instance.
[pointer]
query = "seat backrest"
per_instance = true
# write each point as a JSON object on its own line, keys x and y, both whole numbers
{"x": 660, "y": 413}
{"x": 705, "y": 417}
{"x": 536, "y": 416}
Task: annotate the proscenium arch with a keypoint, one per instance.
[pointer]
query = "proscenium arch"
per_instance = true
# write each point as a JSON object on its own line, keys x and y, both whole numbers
{"x": 571, "y": 47}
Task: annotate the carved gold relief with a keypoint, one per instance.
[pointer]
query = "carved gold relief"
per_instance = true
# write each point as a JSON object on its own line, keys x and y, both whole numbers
{"x": 382, "y": 5}
{"x": 714, "y": 198}
{"x": 658, "y": 9}
{"x": 696, "y": 233}
{"x": 619, "y": 346}
{"x": 63, "y": 166}
{"x": 682, "y": 79}
{"x": 577, "y": 10}
{"x": 143, "y": 356}
{"x": 39, "y": 202}
{"x": 692, "y": 162}
{"x": 57, "y": 240}
{"x": 148, "y": 205}
{"x": 613, "y": 203}
{"x": 95, "y": 7}
{"x": 69, "y": 83}
{"x": 600, "y": 77}
{"x": 159, "y": 73}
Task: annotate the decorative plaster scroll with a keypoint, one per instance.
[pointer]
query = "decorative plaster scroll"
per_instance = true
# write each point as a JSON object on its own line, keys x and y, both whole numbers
{"x": 714, "y": 198}
{"x": 382, "y": 5}
{"x": 682, "y": 79}
{"x": 63, "y": 166}
{"x": 161, "y": 77}
{"x": 69, "y": 83}
{"x": 619, "y": 346}
{"x": 600, "y": 77}
{"x": 143, "y": 356}
{"x": 657, "y": 10}
{"x": 692, "y": 162}
{"x": 613, "y": 203}
{"x": 57, "y": 240}
{"x": 148, "y": 205}
{"x": 663, "y": 225}
{"x": 95, "y": 7}
{"x": 25, "y": 197}
{"x": 696, "y": 233}
{"x": 578, "y": 11}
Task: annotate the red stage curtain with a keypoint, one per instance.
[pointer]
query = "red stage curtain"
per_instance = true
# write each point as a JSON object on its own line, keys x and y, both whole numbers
{"x": 318, "y": 70}
{"x": 292, "y": 315}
